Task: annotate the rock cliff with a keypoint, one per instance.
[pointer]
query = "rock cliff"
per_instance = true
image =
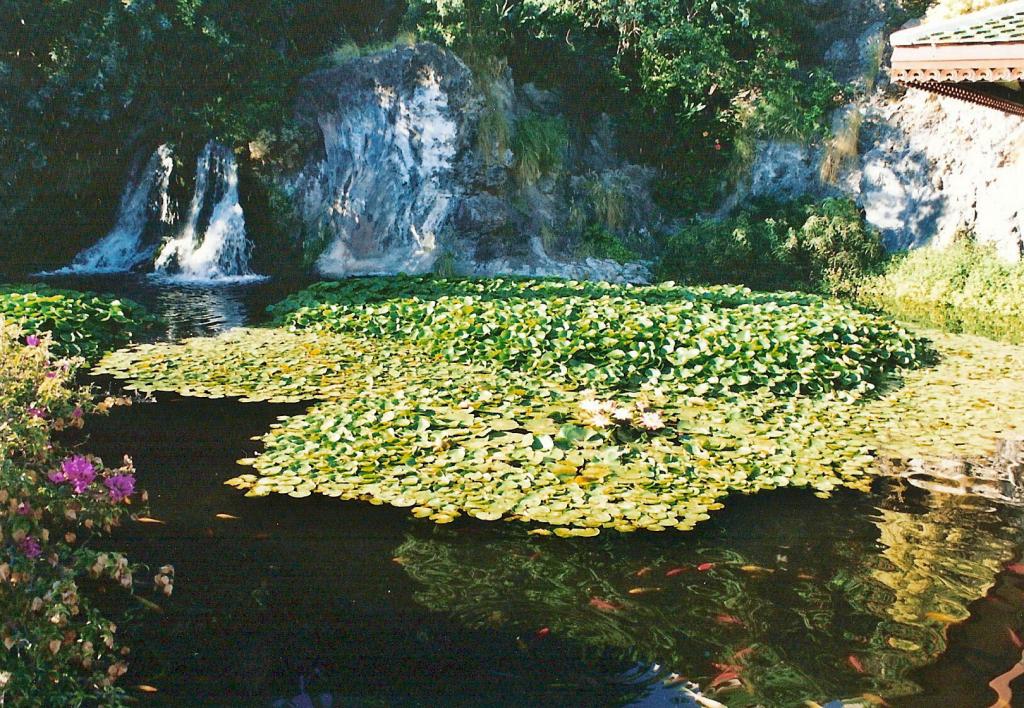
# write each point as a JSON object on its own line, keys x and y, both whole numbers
{"x": 404, "y": 176}
{"x": 921, "y": 166}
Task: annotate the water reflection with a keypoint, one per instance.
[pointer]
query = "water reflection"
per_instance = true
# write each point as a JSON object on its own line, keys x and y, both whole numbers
{"x": 782, "y": 598}
{"x": 190, "y": 308}
{"x": 194, "y": 310}
{"x": 823, "y": 604}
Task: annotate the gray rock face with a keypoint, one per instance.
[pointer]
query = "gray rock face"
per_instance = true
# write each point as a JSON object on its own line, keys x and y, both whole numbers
{"x": 933, "y": 165}
{"x": 927, "y": 166}
{"x": 393, "y": 128}
{"x": 400, "y": 178}
{"x": 783, "y": 170}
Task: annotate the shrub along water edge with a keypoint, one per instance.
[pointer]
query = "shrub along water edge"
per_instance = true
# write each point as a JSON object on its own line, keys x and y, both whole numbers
{"x": 57, "y": 647}
{"x": 964, "y": 287}
{"x": 824, "y": 247}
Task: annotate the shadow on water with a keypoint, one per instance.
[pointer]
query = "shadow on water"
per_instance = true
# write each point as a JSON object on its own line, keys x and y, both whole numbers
{"x": 786, "y": 596}
{"x": 302, "y": 589}
{"x": 779, "y": 599}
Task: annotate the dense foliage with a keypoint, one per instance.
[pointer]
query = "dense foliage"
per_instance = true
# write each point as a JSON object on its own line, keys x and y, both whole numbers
{"x": 620, "y": 336}
{"x": 687, "y": 81}
{"x": 825, "y": 247}
{"x": 86, "y": 84}
{"x": 81, "y": 324}
{"x": 58, "y": 648}
{"x": 962, "y": 288}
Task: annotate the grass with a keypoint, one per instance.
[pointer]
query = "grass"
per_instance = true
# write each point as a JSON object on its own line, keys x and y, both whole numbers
{"x": 494, "y": 132}
{"x": 965, "y": 288}
{"x": 348, "y": 50}
{"x": 842, "y": 149}
{"x": 608, "y": 203}
{"x": 876, "y": 55}
{"x": 445, "y": 265}
{"x": 539, "y": 146}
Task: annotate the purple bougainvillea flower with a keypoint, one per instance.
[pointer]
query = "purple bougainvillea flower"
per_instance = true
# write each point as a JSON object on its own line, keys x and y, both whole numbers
{"x": 78, "y": 472}
{"x": 36, "y": 412}
{"x": 121, "y": 486}
{"x": 57, "y": 477}
{"x": 51, "y": 374}
{"x": 24, "y": 509}
{"x": 32, "y": 340}
{"x": 30, "y": 547}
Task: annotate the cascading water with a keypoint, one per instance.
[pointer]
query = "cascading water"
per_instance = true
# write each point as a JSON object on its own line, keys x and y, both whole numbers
{"x": 212, "y": 245}
{"x": 144, "y": 216}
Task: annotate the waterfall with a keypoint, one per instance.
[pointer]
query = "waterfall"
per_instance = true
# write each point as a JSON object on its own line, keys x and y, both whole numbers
{"x": 212, "y": 245}
{"x": 144, "y": 215}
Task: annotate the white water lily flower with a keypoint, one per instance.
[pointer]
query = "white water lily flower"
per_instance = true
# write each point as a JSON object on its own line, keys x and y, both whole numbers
{"x": 592, "y": 406}
{"x": 623, "y": 414}
{"x": 600, "y": 420}
{"x": 652, "y": 420}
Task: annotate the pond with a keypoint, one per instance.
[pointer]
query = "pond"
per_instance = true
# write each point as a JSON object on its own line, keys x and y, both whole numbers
{"x": 899, "y": 595}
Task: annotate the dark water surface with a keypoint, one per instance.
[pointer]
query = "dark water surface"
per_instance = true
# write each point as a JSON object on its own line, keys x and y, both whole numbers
{"x": 900, "y": 595}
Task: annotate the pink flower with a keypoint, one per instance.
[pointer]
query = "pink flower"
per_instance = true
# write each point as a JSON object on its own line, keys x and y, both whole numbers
{"x": 36, "y": 412}
{"x": 121, "y": 486}
{"x": 30, "y": 547}
{"x": 32, "y": 340}
{"x": 77, "y": 471}
{"x": 24, "y": 509}
{"x": 78, "y": 412}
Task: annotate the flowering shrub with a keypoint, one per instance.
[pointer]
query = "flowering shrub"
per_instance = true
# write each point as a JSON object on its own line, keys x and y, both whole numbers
{"x": 57, "y": 648}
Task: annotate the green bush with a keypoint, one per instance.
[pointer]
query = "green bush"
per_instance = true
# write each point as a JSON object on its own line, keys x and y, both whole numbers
{"x": 835, "y": 248}
{"x": 599, "y": 242}
{"x": 824, "y": 247}
{"x": 539, "y": 145}
{"x": 82, "y": 324}
{"x": 687, "y": 83}
{"x": 738, "y": 250}
{"x": 963, "y": 288}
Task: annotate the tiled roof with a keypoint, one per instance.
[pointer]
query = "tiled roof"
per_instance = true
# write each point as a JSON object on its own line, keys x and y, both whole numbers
{"x": 985, "y": 46}
{"x": 1003, "y": 23}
